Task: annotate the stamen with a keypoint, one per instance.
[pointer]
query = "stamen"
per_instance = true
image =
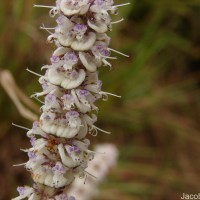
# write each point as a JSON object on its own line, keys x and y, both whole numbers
{"x": 46, "y": 67}
{"x": 24, "y": 150}
{"x": 47, "y": 29}
{"x": 107, "y": 93}
{"x": 38, "y": 99}
{"x": 17, "y": 165}
{"x": 42, "y": 6}
{"x": 52, "y": 91}
{"x": 118, "y": 21}
{"x": 99, "y": 129}
{"x": 120, "y": 5}
{"x": 108, "y": 57}
{"x": 94, "y": 132}
{"x": 38, "y": 94}
{"x": 22, "y": 127}
{"x": 96, "y": 152}
{"x": 33, "y": 72}
{"x": 107, "y": 63}
{"x": 53, "y": 12}
{"x": 119, "y": 52}
{"x": 91, "y": 174}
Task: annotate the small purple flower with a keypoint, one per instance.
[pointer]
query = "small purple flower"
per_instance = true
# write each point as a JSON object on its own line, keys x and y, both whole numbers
{"x": 80, "y": 28}
{"x": 98, "y": 47}
{"x": 68, "y": 97}
{"x": 83, "y": 92}
{"x": 74, "y": 149}
{"x": 58, "y": 167}
{"x": 50, "y": 99}
{"x": 47, "y": 117}
{"x": 73, "y": 74}
{"x": 31, "y": 155}
{"x": 44, "y": 86}
{"x": 101, "y": 50}
{"x": 54, "y": 59}
{"x": 32, "y": 141}
{"x": 60, "y": 20}
{"x": 105, "y": 52}
{"x": 71, "y": 57}
{"x": 72, "y": 114}
{"x": 21, "y": 190}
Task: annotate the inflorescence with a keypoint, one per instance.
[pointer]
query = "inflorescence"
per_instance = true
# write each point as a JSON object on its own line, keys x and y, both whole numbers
{"x": 71, "y": 87}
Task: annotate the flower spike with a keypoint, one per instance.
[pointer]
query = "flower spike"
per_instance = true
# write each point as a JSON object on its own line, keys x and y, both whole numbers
{"x": 70, "y": 88}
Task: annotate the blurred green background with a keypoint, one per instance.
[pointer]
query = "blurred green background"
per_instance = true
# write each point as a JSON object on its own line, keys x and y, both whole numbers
{"x": 155, "y": 124}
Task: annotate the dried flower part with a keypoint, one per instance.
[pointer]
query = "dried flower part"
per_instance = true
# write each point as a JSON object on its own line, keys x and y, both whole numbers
{"x": 70, "y": 88}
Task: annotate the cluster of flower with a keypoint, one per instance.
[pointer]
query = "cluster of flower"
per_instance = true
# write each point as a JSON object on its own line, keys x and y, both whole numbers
{"x": 41, "y": 192}
{"x": 70, "y": 88}
{"x": 98, "y": 167}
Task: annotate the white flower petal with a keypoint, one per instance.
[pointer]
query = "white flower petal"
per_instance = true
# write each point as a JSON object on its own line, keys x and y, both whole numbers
{"x": 70, "y": 84}
{"x": 89, "y": 61}
{"x": 65, "y": 40}
{"x": 65, "y": 9}
{"x": 61, "y": 51}
{"x": 84, "y": 9}
{"x": 60, "y": 131}
{"x": 83, "y": 130}
{"x": 83, "y": 108}
{"x": 98, "y": 26}
{"x": 54, "y": 77}
{"x": 85, "y": 44}
{"x": 66, "y": 160}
